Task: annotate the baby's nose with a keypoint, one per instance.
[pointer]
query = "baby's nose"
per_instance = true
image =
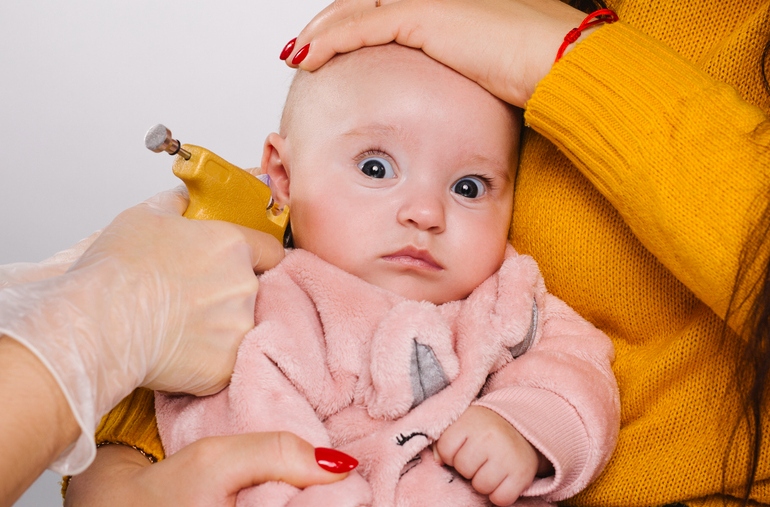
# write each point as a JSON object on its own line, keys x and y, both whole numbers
{"x": 423, "y": 210}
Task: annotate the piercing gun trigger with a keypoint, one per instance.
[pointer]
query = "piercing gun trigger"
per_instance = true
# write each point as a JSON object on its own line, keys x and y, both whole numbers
{"x": 218, "y": 189}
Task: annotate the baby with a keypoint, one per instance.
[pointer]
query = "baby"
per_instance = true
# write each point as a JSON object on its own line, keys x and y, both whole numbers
{"x": 403, "y": 329}
{"x": 378, "y": 333}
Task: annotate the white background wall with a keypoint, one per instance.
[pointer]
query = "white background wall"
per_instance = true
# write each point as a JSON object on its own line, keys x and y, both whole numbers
{"x": 82, "y": 80}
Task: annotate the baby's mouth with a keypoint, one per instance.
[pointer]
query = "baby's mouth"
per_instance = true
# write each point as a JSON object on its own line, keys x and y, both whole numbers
{"x": 415, "y": 257}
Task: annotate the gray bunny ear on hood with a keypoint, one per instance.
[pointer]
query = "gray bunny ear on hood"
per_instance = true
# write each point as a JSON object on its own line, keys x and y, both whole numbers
{"x": 524, "y": 345}
{"x": 426, "y": 373}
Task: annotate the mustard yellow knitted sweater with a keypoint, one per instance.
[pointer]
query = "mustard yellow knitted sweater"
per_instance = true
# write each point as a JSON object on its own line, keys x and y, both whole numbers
{"x": 648, "y": 145}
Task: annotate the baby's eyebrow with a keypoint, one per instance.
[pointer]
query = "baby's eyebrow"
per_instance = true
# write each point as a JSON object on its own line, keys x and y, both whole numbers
{"x": 375, "y": 129}
{"x": 498, "y": 167}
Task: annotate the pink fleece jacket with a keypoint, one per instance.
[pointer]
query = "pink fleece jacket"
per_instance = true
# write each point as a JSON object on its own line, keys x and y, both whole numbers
{"x": 348, "y": 365}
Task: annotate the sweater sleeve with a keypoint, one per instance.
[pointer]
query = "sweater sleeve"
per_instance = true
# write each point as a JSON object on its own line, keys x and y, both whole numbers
{"x": 132, "y": 422}
{"x": 561, "y": 395}
{"x": 682, "y": 157}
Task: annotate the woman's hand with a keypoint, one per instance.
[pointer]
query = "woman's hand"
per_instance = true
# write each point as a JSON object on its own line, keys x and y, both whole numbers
{"x": 209, "y": 472}
{"x": 506, "y": 46}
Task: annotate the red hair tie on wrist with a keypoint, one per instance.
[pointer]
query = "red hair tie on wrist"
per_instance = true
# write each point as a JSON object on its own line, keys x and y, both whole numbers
{"x": 598, "y": 17}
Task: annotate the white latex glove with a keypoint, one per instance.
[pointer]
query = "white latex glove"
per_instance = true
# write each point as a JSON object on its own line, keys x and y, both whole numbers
{"x": 25, "y": 272}
{"x": 157, "y": 300}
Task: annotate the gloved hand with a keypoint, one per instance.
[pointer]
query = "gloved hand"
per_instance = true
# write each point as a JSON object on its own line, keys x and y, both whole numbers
{"x": 157, "y": 300}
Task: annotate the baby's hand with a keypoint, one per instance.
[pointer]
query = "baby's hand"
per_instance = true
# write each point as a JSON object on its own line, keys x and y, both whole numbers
{"x": 484, "y": 448}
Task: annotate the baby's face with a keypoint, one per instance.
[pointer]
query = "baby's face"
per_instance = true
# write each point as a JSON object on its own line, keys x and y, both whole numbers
{"x": 400, "y": 171}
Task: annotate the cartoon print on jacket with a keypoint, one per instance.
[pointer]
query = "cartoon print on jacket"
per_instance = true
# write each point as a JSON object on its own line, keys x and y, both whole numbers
{"x": 348, "y": 365}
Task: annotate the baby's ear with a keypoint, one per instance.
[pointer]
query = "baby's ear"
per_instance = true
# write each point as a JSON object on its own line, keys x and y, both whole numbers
{"x": 273, "y": 156}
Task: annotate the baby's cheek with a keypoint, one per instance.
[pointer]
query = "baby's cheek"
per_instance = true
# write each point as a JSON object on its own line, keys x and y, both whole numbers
{"x": 483, "y": 261}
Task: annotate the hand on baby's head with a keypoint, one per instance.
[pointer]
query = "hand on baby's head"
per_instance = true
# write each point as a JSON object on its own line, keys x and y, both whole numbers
{"x": 398, "y": 170}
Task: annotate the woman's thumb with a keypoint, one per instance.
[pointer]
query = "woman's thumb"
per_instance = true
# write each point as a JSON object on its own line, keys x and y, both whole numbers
{"x": 283, "y": 456}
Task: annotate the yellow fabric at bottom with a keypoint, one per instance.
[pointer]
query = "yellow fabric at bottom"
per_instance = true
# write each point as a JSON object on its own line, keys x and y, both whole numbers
{"x": 134, "y": 416}
{"x": 132, "y": 422}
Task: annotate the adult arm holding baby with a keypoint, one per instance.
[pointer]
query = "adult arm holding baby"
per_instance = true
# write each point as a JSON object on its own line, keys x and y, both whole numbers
{"x": 156, "y": 300}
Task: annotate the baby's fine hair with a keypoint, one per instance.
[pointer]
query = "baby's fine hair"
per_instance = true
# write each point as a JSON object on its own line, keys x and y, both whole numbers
{"x": 303, "y": 81}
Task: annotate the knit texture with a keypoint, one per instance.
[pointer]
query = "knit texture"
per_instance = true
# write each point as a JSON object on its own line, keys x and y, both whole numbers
{"x": 132, "y": 422}
{"x": 134, "y": 416}
{"x": 635, "y": 192}
{"x": 649, "y": 144}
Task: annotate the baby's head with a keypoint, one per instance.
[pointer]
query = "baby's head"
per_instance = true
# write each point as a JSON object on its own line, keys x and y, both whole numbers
{"x": 398, "y": 170}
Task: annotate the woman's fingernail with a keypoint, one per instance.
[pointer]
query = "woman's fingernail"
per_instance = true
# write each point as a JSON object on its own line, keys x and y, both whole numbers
{"x": 287, "y": 49}
{"x": 334, "y": 461}
{"x": 301, "y": 54}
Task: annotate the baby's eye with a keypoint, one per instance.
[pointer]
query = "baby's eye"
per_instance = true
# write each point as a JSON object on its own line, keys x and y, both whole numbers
{"x": 376, "y": 167}
{"x": 470, "y": 187}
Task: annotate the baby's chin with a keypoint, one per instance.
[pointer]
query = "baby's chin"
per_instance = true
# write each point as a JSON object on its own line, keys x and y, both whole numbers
{"x": 420, "y": 290}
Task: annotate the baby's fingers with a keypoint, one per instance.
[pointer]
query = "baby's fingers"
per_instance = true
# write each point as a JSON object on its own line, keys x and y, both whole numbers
{"x": 507, "y": 492}
{"x": 447, "y": 446}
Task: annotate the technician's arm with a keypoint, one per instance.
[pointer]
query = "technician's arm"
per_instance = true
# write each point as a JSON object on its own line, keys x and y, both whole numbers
{"x": 156, "y": 301}
{"x": 36, "y": 423}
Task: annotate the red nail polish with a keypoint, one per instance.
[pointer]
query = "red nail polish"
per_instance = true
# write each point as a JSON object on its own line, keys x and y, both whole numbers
{"x": 334, "y": 461}
{"x": 287, "y": 49}
{"x": 301, "y": 54}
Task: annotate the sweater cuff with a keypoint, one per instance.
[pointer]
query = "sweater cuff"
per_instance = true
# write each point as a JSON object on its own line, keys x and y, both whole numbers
{"x": 132, "y": 422}
{"x": 551, "y": 425}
